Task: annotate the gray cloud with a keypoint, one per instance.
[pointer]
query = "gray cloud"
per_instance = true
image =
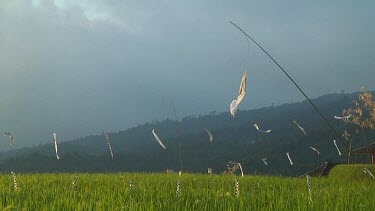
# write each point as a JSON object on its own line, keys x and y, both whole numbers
{"x": 81, "y": 68}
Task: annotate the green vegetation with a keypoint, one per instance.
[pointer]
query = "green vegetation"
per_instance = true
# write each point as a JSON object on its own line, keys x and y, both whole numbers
{"x": 351, "y": 172}
{"x": 347, "y": 188}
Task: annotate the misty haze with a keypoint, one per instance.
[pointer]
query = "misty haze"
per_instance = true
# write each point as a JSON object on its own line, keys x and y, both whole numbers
{"x": 83, "y": 68}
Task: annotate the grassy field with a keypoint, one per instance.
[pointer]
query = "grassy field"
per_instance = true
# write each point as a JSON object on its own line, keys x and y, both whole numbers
{"x": 347, "y": 188}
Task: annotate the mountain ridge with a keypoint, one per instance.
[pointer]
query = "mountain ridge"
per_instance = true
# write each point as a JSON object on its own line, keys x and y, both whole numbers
{"x": 234, "y": 139}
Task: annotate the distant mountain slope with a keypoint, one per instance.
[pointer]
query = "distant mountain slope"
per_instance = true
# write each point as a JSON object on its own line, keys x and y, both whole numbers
{"x": 235, "y": 139}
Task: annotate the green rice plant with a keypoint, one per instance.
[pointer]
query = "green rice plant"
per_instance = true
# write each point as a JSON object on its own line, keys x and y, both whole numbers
{"x": 157, "y": 191}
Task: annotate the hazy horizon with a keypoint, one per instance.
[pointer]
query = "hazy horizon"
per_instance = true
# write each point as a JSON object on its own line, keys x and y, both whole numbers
{"x": 83, "y": 67}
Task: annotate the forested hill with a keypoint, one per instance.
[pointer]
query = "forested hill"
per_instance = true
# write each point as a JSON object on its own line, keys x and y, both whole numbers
{"x": 235, "y": 139}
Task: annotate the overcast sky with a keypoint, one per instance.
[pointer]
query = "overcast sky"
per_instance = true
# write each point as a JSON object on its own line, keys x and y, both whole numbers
{"x": 83, "y": 67}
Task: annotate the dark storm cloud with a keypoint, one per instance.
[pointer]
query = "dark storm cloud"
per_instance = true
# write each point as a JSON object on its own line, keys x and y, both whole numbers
{"x": 81, "y": 67}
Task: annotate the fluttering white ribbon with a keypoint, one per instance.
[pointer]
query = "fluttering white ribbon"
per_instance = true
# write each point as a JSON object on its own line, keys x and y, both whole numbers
{"x": 290, "y": 160}
{"x": 55, "y": 139}
{"x": 368, "y": 172}
{"x": 301, "y": 128}
{"x": 109, "y": 144}
{"x": 210, "y": 135}
{"x": 263, "y": 131}
{"x": 334, "y": 141}
{"x": 239, "y": 164}
{"x": 158, "y": 139}
{"x": 343, "y": 117}
{"x": 241, "y": 94}
{"x": 264, "y": 161}
{"x": 315, "y": 150}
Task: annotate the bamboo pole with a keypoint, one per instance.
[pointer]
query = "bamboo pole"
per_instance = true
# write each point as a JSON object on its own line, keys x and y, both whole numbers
{"x": 298, "y": 87}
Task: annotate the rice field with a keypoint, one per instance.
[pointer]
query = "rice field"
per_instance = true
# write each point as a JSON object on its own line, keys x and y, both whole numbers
{"x": 157, "y": 191}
